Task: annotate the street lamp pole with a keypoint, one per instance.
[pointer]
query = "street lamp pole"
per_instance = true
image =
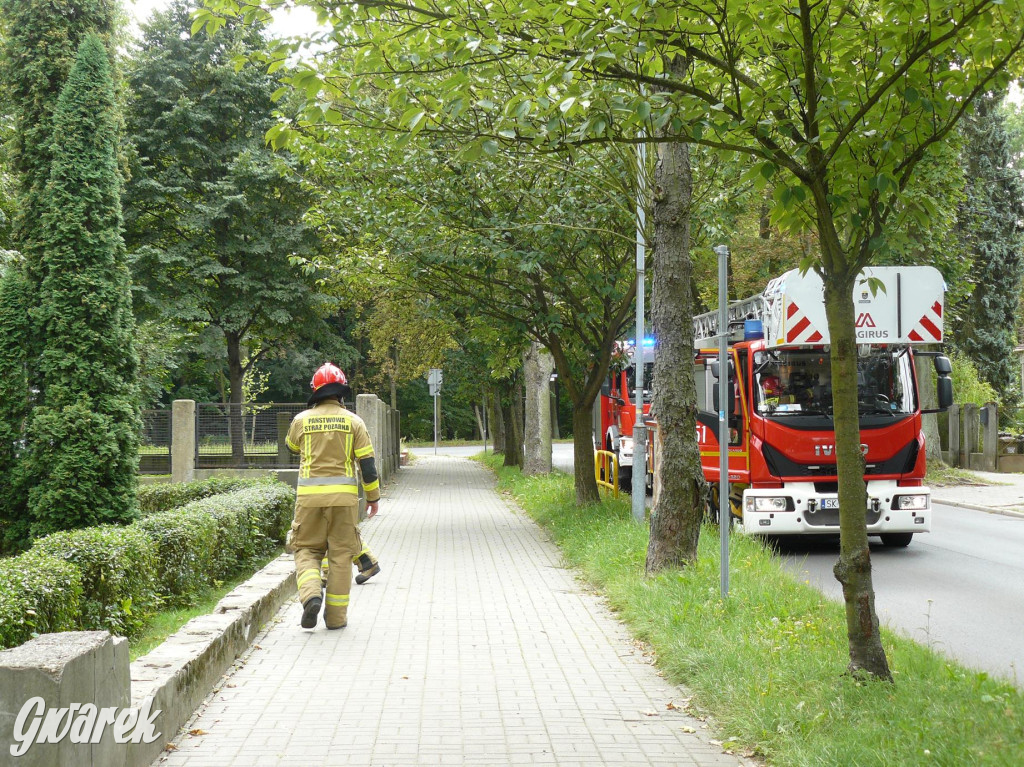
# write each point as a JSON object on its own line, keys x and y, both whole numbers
{"x": 639, "y": 427}
{"x": 724, "y": 391}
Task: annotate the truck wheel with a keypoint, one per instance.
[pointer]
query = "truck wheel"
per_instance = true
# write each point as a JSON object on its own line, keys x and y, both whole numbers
{"x": 897, "y": 540}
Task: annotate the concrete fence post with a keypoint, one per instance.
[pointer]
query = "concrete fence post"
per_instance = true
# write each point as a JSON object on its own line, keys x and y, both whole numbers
{"x": 183, "y": 440}
{"x": 971, "y": 427}
{"x": 396, "y": 438}
{"x": 284, "y": 420}
{"x": 954, "y": 435}
{"x": 385, "y": 436}
{"x": 990, "y": 437}
{"x": 386, "y": 458}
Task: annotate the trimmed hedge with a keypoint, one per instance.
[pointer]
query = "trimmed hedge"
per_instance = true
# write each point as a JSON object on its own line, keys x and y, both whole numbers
{"x": 251, "y": 523}
{"x": 156, "y": 498}
{"x": 39, "y": 594}
{"x": 118, "y": 567}
{"x": 185, "y": 545}
{"x": 112, "y": 577}
{"x": 211, "y": 539}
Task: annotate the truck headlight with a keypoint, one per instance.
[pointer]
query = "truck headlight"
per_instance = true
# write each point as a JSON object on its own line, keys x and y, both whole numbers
{"x": 908, "y": 502}
{"x": 769, "y": 503}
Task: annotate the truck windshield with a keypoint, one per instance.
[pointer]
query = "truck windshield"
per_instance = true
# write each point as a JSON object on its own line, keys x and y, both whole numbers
{"x": 795, "y": 382}
{"x": 648, "y": 380}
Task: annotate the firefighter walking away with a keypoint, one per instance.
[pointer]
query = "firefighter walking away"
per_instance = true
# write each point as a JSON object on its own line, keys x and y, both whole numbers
{"x": 331, "y": 442}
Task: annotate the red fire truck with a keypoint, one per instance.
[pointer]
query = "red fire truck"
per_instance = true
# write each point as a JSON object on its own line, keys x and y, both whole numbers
{"x": 782, "y": 462}
{"x": 782, "y": 466}
{"x": 616, "y": 411}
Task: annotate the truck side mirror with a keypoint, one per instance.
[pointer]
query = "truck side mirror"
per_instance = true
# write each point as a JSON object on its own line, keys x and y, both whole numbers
{"x": 715, "y": 368}
{"x": 717, "y": 401}
{"x": 943, "y": 366}
{"x": 944, "y": 390}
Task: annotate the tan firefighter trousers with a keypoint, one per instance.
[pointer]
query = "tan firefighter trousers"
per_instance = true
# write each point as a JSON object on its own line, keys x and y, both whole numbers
{"x": 330, "y": 530}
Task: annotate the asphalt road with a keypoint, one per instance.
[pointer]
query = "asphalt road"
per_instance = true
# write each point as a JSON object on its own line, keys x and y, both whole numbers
{"x": 561, "y": 453}
{"x": 958, "y": 589}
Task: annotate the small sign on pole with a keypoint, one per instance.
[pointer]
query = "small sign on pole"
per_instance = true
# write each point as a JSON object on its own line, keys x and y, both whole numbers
{"x": 434, "y": 380}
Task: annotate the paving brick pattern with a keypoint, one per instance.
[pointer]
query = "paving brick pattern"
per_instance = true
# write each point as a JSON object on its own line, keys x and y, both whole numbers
{"x": 474, "y": 646}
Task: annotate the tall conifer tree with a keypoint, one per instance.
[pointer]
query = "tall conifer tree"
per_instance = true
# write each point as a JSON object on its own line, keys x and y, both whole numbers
{"x": 38, "y": 50}
{"x": 989, "y": 226}
{"x": 83, "y": 435}
{"x": 14, "y": 305}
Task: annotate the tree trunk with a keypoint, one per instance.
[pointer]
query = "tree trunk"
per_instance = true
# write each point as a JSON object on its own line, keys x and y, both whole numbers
{"x": 555, "y": 433}
{"x": 478, "y": 414}
{"x": 517, "y": 417}
{"x": 393, "y": 376}
{"x": 497, "y": 419}
{"x": 537, "y": 367}
{"x": 677, "y": 515}
{"x": 236, "y": 373}
{"x": 853, "y": 570}
{"x": 583, "y": 454}
{"x": 513, "y": 456}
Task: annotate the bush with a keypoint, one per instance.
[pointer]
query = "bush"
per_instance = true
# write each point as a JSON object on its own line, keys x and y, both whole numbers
{"x": 112, "y": 577}
{"x": 251, "y": 523}
{"x": 185, "y": 543}
{"x": 39, "y": 594}
{"x": 968, "y": 385}
{"x": 118, "y": 567}
{"x": 155, "y": 498}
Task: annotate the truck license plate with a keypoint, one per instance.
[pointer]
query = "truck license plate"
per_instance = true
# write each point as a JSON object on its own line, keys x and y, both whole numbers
{"x": 829, "y": 503}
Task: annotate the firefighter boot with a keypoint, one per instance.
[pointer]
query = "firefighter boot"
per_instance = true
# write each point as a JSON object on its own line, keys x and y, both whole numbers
{"x": 365, "y": 575}
{"x": 367, "y": 564}
{"x": 310, "y": 611}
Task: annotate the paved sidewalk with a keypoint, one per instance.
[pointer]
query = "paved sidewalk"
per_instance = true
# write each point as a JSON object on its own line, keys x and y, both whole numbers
{"x": 472, "y": 647}
{"x": 996, "y": 493}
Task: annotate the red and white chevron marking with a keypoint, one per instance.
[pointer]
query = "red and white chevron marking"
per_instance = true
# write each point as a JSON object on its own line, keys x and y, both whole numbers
{"x": 800, "y": 330}
{"x": 929, "y": 327}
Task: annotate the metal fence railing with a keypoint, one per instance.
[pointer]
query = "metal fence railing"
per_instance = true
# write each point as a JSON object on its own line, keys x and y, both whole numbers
{"x": 155, "y": 445}
{"x": 250, "y": 435}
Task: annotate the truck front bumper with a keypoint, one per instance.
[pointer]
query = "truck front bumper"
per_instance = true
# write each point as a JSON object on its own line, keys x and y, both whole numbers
{"x": 798, "y": 509}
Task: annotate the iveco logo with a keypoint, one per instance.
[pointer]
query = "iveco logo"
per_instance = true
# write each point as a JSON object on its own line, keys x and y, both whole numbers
{"x": 828, "y": 450}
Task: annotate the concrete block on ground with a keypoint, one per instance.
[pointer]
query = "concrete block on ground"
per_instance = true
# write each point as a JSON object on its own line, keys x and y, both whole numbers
{"x": 66, "y": 669}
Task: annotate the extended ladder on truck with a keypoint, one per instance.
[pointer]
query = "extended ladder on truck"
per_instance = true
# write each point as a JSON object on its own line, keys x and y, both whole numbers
{"x": 705, "y": 326}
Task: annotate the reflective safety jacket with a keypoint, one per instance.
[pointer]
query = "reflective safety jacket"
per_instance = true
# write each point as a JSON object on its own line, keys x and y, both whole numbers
{"x": 330, "y": 441}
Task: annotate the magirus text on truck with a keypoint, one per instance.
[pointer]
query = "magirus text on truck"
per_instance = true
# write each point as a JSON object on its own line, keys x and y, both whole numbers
{"x": 782, "y": 466}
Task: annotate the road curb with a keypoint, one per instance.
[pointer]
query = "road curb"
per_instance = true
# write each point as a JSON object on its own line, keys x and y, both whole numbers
{"x": 180, "y": 673}
{"x": 976, "y": 507}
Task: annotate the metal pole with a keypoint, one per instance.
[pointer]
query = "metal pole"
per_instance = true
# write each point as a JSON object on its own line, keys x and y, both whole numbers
{"x": 435, "y": 422}
{"x": 484, "y": 435}
{"x": 639, "y": 427}
{"x": 724, "y": 512}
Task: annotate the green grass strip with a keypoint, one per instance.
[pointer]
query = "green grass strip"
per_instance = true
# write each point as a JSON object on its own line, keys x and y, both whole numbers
{"x": 166, "y": 622}
{"x": 768, "y": 664}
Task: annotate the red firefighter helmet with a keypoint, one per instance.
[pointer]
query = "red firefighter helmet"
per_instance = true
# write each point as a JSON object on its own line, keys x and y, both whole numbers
{"x": 327, "y": 373}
